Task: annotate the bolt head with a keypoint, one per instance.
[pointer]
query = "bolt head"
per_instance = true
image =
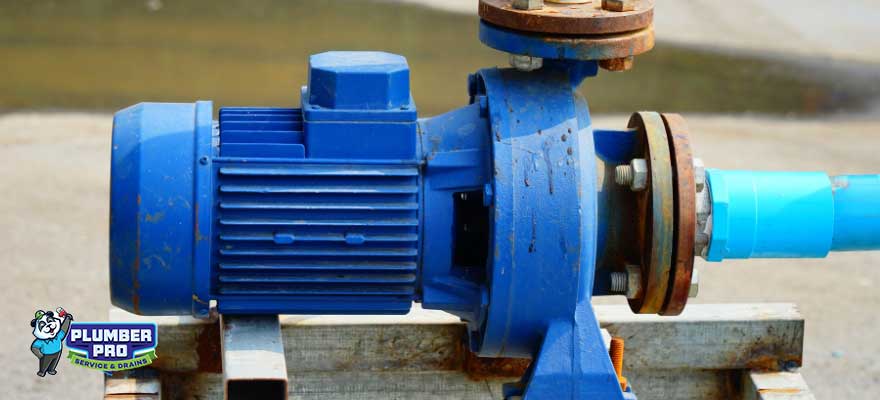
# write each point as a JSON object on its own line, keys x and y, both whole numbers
{"x": 528, "y": 4}
{"x": 640, "y": 174}
{"x": 699, "y": 174}
{"x": 633, "y": 281}
{"x": 525, "y": 63}
{"x": 617, "y": 64}
{"x": 619, "y": 5}
{"x": 703, "y": 208}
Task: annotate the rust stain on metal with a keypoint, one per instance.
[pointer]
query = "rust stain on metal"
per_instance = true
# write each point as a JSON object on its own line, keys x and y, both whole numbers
{"x": 197, "y": 232}
{"x": 769, "y": 357}
{"x": 772, "y": 363}
{"x": 568, "y": 19}
{"x": 480, "y": 368}
{"x": 684, "y": 215}
{"x": 460, "y": 358}
{"x": 155, "y": 217}
{"x": 780, "y": 391}
{"x": 617, "y": 64}
{"x": 654, "y": 214}
{"x": 208, "y": 349}
{"x": 605, "y": 47}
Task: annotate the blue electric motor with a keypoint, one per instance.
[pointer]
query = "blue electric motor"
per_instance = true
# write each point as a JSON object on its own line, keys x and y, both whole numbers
{"x": 350, "y": 205}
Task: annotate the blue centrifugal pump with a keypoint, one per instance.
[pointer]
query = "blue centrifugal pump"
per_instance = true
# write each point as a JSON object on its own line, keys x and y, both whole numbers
{"x": 510, "y": 212}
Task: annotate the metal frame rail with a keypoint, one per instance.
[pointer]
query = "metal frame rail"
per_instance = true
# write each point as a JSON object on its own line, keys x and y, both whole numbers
{"x": 719, "y": 351}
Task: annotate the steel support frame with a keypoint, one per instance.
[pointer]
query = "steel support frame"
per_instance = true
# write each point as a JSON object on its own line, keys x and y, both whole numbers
{"x": 730, "y": 351}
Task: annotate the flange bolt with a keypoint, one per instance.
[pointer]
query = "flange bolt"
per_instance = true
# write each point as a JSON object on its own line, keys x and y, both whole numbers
{"x": 619, "y": 5}
{"x": 525, "y": 63}
{"x": 623, "y": 175}
{"x": 528, "y": 4}
{"x": 634, "y": 175}
{"x": 618, "y": 282}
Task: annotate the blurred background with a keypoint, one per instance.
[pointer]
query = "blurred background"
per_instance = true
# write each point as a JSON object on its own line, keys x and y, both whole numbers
{"x": 791, "y": 85}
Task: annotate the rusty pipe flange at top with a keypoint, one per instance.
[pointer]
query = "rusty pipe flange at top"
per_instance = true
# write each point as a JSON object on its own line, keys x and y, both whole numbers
{"x": 577, "y": 31}
{"x": 586, "y": 18}
{"x": 685, "y": 215}
{"x": 655, "y": 213}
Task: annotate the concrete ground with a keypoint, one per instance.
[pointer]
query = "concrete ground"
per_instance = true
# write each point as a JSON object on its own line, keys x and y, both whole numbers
{"x": 53, "y": 243}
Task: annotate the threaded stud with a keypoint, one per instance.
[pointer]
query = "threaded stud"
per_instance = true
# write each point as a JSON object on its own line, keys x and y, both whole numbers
{"x": 618, "y": 282}
{"x": 624, "y": 175}
{"x": 616, "y": 353}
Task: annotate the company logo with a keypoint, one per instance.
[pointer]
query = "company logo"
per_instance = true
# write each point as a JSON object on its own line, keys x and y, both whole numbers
{"x": 109, "y": 346}
{"x": 49, "y": 330}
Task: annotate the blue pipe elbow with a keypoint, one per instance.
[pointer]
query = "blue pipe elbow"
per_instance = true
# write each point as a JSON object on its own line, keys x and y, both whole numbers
{"x": 791, "y": 214}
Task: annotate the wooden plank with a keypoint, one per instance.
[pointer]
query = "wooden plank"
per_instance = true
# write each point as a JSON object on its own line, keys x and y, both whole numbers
{"x": 776, "y": 386}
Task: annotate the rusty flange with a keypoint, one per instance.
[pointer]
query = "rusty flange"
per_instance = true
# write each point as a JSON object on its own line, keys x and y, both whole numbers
{"x": 654, "y": 213}
{"x": 587, "y": 18}
{"x": 685, "y": 215}
{"x": 565, "y": 30}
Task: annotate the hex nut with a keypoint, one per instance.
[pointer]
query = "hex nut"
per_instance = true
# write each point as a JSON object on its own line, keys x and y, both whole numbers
{"x": 619, "y": 5}
{"x": 703, "y": 210}
{"x": 699, "y": 174}
{"x": 633, "y": 281}
{"x": 528, "y": 4}
{"x": 525, "y": 63}
{"x": 617, "y": 64}
{"x": 640, "y": 174}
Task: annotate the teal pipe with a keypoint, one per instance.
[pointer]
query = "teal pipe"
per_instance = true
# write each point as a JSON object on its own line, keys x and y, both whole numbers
{"x": 791, "y": 214}
{"x": 856, "y": 212}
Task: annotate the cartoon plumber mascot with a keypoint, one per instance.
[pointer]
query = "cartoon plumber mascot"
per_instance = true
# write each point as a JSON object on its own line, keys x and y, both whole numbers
{"x": 50, "y": 331}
